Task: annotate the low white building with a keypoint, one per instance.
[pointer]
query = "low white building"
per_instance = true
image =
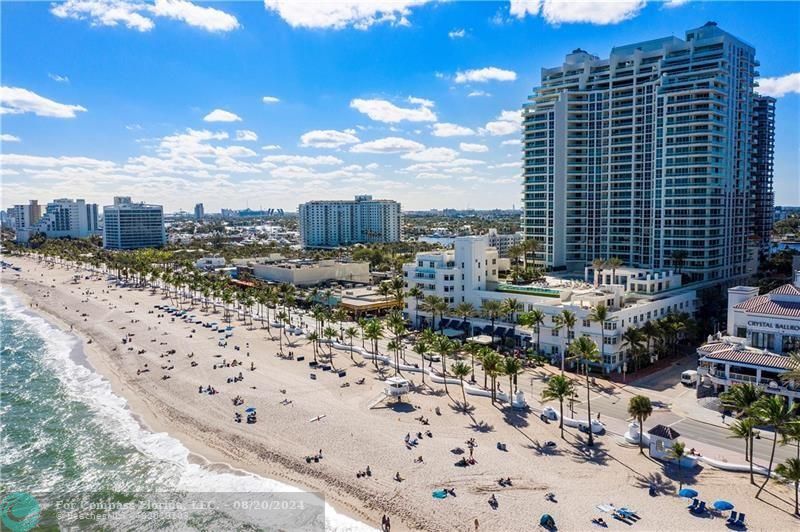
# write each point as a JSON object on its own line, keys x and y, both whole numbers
{"x": 209, "y": 263}
{"x": 302, "y": 272}
{"x": 469, "y": 273}
{"x": 503, "y": 242}
{"x": 762, "y": 331}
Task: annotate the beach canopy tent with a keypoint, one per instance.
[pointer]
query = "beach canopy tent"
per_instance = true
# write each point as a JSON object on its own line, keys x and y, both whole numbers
{"x": 482, "y": 339}
{"x": 547, "y": 521}
{"x": 723, "y": 505}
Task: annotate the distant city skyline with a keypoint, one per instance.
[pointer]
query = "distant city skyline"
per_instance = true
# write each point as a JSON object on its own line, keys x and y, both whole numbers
{"x": 272, "y": 104}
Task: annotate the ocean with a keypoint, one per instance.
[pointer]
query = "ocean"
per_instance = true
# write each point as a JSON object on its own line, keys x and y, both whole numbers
{"x": 72, "y": 446}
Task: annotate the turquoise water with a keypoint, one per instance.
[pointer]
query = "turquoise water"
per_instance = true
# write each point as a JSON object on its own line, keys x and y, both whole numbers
{"x": 66, "y": 436}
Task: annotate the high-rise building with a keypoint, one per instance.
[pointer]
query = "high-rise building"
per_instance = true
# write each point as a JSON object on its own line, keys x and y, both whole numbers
{"x": 129, "y": 225}
{"x": 25, "y": 216}
{"x": 62, "y": 218}
{"x": 647, "y": 156}
{"x": 341, "y": 223}
{"x": 763, "y": 157}
{"x": 199, "y": 211}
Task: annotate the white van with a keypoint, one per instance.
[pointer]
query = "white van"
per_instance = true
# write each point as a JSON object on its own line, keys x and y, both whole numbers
{"x": 689, "y": 377}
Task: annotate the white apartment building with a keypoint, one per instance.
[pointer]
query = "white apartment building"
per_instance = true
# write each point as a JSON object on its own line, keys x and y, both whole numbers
{"x": 762, "y": 331}
{"x": 502, "y": 243}
{"x": 129, "y": 225}
{"x": 25, "y": 216}
{"x": 62, "y": 218}
{"x": 661, "y": 148}
{"x": 341, "y": 223}
{"x": 306, "y": 272}
{"x": 468, "y": 273}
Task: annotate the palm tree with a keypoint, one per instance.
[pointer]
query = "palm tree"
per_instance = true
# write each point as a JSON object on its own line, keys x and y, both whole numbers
{"x": 640, "y": 408}
{"x": 397, "y": 326}
{"x": 421, "y": 348}
{"x": 461, "y": 370}
{"x": 444, "y": 347}
{"x": 585, "y": 350}
{"x": 793, "y": 374}
{"x": 614, "y": 263}
{"x": 434, "y": 305}
{"x": 773, "y": 411}
{"x": 650, "y": 332}
{"x": 677, "y": 452}
{"x": 351, "y": 332}
{"x": 512, "y": 366}
{"x": 417, "y": 293}
{"x": 632, "y": 343}
{"x": 600, "y": 315}
{"x": 492, "y": 363}
{"x": 465, "y": 310}
{"x": 492, "y": 309}
{"x": 535, "y": 320}
{"x": 745, "y": 429}
{"x": 790, "y": 472}
{"x": 559, "y": 387}
{"x": 510, "y": 308}
{"x": 565, "y": 320}
{"x": 532, "y": 246}
{"x": 330, "y": 333}
{"x": 597, "y": 265}
{"x": 679, "y": 259}
{"x": 741, "y": 397}
{"x": 373, "y": 331}
{"x": 313, "y": 337}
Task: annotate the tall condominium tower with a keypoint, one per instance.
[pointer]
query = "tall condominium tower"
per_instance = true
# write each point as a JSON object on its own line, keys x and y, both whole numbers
{"x": 648, "y": 156}
{"x": 129, "y": 225}
{"x": 341, "y": 223}
{"x": 62, "y": 218}
{"x": 763, "y": 156}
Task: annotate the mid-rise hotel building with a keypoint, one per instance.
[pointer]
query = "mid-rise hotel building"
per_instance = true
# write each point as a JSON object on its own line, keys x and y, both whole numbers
{"x": 62, "y": 218}
{"x": 129, "y": 225}
{"x": 662, "y": 150}
{"x": 341, "y": 223}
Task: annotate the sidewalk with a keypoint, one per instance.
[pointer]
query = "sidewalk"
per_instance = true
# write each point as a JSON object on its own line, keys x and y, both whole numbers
{"x": 686, "y": 405}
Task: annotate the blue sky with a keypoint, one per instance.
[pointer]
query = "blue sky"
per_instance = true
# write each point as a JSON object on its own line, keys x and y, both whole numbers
{"x": 404, "y": 99}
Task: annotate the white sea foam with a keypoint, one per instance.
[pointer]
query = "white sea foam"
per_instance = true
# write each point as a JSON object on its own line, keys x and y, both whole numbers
{"x": 92, "y": 389}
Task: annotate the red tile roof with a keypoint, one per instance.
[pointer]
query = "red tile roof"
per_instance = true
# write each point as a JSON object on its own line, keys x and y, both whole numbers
{"x": 787, "y": 290}
{"x": 767, "y": 305}
{"x": 720, "y": 351}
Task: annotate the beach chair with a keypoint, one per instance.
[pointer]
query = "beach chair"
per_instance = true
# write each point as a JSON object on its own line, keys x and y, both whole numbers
{"x": 740, "y": 520}
{"x": 694, "y": 504}
{"x": 732, "y": 517}
{"x": 700, "y": 509}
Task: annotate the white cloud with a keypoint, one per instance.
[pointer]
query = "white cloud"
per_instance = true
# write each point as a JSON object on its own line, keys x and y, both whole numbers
{"x": 270, "y": 99}
{"x": 433, "y": 175}
{"x": 384, "y": 111}
{"x": 14, "y": 100}
{"x": 303, "y": 160}
{"x": 57, "y": 78}
{"x": 339, "y": 14}
{"x": 220, "y": 115}
{"x": 5, "y": 137}
{"x": 420, "y": 101}
{"x": 445, "y": 129}
{"x": 474, "y": 148}
{"x": 675, "y": 3}
{"x": 507, "y": 165}
{"x": 473, "y": 94}
{"x": 569, "y": 11}
{"x": 246, "y": 135}
{"x": 12, "y": 159}
{"x": 443, "y": 165}
{"x": 511, "y": 142}
{"x": 507, "y": 123}
{"x": 138, "y": 15}
{"x": 483, "y": 75}
{"x": 207, "y": 18}
{"x": 388, "y": 145}
{"x": 271, "y": 147}
{"x": 432, "y": 155}
{"x": 457, "y": 34}
{"x": 133, "y": 127}
{"x": 779, "y": 86}
{"x": 327, "y": 138}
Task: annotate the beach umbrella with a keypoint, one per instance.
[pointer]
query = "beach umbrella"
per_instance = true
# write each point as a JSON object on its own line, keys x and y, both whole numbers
{"x": 688, "y": 493}
{"x": 250, "y": 409}
{"x": 723, "y": 505}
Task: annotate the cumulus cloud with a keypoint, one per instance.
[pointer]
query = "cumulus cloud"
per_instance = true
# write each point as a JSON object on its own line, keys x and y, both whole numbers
{"x": 675, "y": 3}
{"x": 139, "y": 16}
{"x": 432, "y": 155}
{"x": 220, "y": 115}
{"x": 270, "y": 99}
{"x": 385, "y": 111}
{"x": 457, "y": 34}
{"x": 474, "y": 148}
{"x": 511, "y": 142}
{"x": 6, "y": 137}
{"x": 445, "y": 129}
{"x": 474, "y": 94}
{"x": 327, "y": 138}
{"x": 303, "y": 160}
{"x": 779, "y": 86}
{"x": 483, "y": 75}
{"x": 57, "y": 78}
{"x": 15, "y": 100}
{"x": 507, "y": 123}
{"x": 246, "y": 135}
{"x": 568, "y": 11}
{"x": 388, "y": 145}
{"x": 271, "y": 147}
{"x": 340, "y": 14}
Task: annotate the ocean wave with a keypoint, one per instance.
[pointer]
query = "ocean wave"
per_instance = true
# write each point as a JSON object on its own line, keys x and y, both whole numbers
{"x": 114, "y": 417}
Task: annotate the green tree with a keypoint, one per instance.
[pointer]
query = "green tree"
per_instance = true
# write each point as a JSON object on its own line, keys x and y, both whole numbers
{"x": 640, "y": 408}
{"x": 512, "y": 366}
{"x": 614, "y": 263}
{"x": 492, "y": 309}
{"x": 585, "y": 350}
{"x": 600, "y": 315}
{"x": 677, "y": 452}
{"x": 789, "y": 471}
{"x": 559, "y": 387}
{"x": 773, "y": 411}
{"x": 565, "y": 320}
{"x": 745, "y": 429}
{"x": 461, "y": 370}
{"x": 350, "y": 333}
{"x": 534, "y": 319}
{"x": 632, "y": 344}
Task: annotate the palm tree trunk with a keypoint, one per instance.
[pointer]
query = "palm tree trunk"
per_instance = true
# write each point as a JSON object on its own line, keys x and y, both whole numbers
{"x": 771, "y": 458}
{"x": 589, "y": 407}
{"x": 750, "y": 438}
{"x": 561, "y": 416}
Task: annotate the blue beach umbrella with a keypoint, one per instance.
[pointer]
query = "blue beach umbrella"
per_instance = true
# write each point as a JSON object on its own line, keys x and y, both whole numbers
{"x": 723, "y": 505}
{"x": 688, "y": 493}
{"x": 250, "y": 409}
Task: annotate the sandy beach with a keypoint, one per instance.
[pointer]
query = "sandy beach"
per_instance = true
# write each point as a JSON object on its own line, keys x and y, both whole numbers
{"x": 299, "y": 416}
